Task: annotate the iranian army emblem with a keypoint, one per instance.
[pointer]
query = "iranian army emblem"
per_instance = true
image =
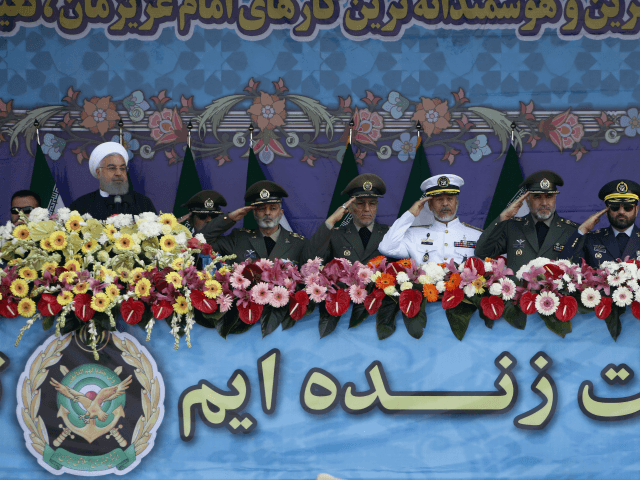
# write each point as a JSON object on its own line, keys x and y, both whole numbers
{"x": 87, "y": 418}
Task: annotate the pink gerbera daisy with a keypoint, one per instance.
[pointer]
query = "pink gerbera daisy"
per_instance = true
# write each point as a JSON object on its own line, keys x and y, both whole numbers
{"x": 316, "y": 292}
{"x": 357, "y": 294}
{"x": 260, "y": 293}
{"x": 364, "y": 274}
{"x": 279, "y": 297}
{"x": 225, "y": 302}
{"x": 238, "y": 281}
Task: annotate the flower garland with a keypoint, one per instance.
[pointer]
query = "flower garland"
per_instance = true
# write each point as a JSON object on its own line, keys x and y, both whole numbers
{"x": 71, "y": 271}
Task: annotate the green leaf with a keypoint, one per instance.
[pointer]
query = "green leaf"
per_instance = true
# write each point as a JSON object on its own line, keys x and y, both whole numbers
{"x": 239, "y": 327}
{"x": 203, "y": 319}
{"x": 327, "y": 322}
{"x": 487, "y": 321}
{"x": 71, "y": 324}
{"x": 386, "y": 318}
{"x": 415, "y": 326}
{"x": 613, "y": 321}
{"x": 514, "y": 315}
{"x": 501, "y": 125}
{"x": 556, "y": 326}
{"x": 215, "y": 112}
{"x": 271, "y": 319}
{"x": 459, "y": 318}
{"x": 26, "y": 128}
{"x": 358, "y": 315}
{"x": 316, "y": 112}
{"x": 288, "y": 322}
{"x": 47, "y": 323}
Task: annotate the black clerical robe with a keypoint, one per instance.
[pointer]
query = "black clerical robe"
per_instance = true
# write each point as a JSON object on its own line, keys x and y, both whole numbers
{"x": 101, "y": 208}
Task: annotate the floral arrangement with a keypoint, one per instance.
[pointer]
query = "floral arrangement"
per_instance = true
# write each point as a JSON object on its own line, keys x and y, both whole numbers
{"x": 81, "y": 271}
{"x": 76, "y": 272}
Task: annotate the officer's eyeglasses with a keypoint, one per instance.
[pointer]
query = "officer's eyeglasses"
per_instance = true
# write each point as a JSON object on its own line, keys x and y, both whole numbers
{"x": 113, "y": 169}
{"x": 17, "y": 210}
{"x": 614, "y": 207}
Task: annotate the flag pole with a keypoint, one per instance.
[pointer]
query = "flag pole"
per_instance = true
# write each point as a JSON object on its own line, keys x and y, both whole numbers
{"x": 121, "y": 126}
{"x": 189, "y": 127}
{"x": 251, "y": 135}
{"x": 36, "y": 124}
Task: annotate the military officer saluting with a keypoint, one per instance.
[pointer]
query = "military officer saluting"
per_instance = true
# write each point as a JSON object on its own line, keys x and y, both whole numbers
{"x": 203, "y": 207}
{"x": 358, "y": 240}
{"x": 270, "y": 240}
{"x": 619, "y": 240}
{"x": 541, "y": 233}
{"x": 442, "y": 238}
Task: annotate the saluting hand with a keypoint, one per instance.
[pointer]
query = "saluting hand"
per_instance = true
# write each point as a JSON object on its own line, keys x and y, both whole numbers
{"x": 591, "y": 222}
{"x": 240, "y": 213}
{"x": 339, "y": 213}
{"x": 184, "y": 218}
{"x": 417, "y": 207}
{"x": 512, "y": 210}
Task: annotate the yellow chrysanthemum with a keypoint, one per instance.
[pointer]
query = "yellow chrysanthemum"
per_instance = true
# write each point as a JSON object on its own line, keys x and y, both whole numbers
{"x": 74, "y": 223}
{"x": 26, "y": 307}
{"x": 143, "y": 287}
{"x": 68, "y": 276}
{"x": 109, "y": 230}
{"x": 178, "y": 264}
{"x": 167, "y": 243}
{"x": 224, "y": 270}
{"x": 21, "y": 232}
{"x": 65, "y": 298}
{"x": 19, "y": 287}
{"x": 49, "y": 267}
{"x": 174, "y": 278}
{"x": 100, "y": 302}
{"x": 212, "y": 289}
{"x": 124, "y": 242}
{"x": 28, "y": 273}
{"x": 45, "y": 244}
{"x": 58, "y": 240}
{"x": 168, "y": 219}
{"x": 73, "y": 265}
{"x": 181, "y": 306}
{"x": 112, "y": 291}
{"x": 89, "y": 246}
{"x": 136, "y": 274}
{"x": 201, "y": 275}
{"x": 81, "y": 287}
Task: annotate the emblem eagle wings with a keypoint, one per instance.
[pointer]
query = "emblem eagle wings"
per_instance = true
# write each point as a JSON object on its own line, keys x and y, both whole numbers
{"x": 93, "y": 406}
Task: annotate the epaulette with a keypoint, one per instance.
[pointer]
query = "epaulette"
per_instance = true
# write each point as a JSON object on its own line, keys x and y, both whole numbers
{"x": 297, "y": 235}
{"x": 569, "y": 222}
{"x": 471, "y": 226}
{"x": 247, "y": 230}
{"x": 518, "y": 219}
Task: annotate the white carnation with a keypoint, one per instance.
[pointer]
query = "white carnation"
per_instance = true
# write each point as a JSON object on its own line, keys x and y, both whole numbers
{"x": 433, "y": 270}
{"x": 150, "y": 229}
{"x": 147, "y": 217}
{"x": 441, "y": 286}
{"x": 166, "y": 229}
{"x": 488, "y": 267}
{"x": 495, "y": 289}
{"x": 181, "y": 238}
{"x": 39, "y": 215}
{"x": 391, "y": 290}
{"x": 375, "y": 276}
{"x": 571, "y": 287}
{"x": 63, "y": 214}
{"x": 469, "y": 290}
{"x": 103, "y": 238}
{"x": 200, "y": 238}
{"x": 406, "y": 286}
{"x": 423, "y": 279}
{"x": 402, "y": 277}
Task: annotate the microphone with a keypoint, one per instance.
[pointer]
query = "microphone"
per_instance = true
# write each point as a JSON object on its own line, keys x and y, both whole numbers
{"x": 117, "y": 199}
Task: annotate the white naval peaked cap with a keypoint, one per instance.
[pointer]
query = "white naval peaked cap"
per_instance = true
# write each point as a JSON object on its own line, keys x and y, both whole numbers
{"x": 442, "y": 184}
{"x": 104, "y": 150}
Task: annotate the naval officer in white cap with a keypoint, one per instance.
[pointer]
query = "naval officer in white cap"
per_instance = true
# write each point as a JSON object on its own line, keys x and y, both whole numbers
{"x": 435, "y": 233}
{"x": 108, "y": 163}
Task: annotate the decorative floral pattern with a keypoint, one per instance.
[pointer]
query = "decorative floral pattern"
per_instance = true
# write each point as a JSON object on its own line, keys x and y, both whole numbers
{"x": 136, "y": 105}
{"x": 630, "y": 122}
{"x": 166, "y": 126}
{"x": 367, "y": 126}
{"x": 477, "y": 147}
{"x": 53, "y": 146}
{"x": 406, "y": 146}
{"x": 99, "y": 115}
{"x": 396, "y": 105}
{"x": 131, "y": 145}
{"x": 433, "y": 115}
{"x": 563, "y": 130}
{"x": 268, "y": 111}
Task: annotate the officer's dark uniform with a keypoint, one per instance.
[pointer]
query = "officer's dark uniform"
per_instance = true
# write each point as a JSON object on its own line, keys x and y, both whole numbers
{"x": 246, "y": 243}
{"x": 347, "y": 241}
{"x": 519, "y": 237}
{"x": 603, "y": 244}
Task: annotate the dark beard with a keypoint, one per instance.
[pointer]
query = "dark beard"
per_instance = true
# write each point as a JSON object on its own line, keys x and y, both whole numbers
{"x": 620, "y": 223}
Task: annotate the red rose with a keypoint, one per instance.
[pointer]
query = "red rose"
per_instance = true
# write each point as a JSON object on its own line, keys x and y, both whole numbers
{"x": 250, "y": 314}
{"x": 452, "y": 299}
{"x": 48, "y": 305}
{"x": 206, "y": 249}
{"x": 132, "y": 311}
{"x": 567, "y": 308}
{"x": 82, "y": 307}
{"x": 492, "y": 307}
{"x": 528, "y": 303}
{"x": 161, "y": 309}
{"x": 298, "y": 305}
{"x": 202, "y": 303}
{"x": 410, "y": 301}
{"x": 373, "y": 301}
{"x": 603, "y": 309}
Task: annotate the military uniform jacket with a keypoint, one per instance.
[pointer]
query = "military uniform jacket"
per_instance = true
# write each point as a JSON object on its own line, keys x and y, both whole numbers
{"x": 247, "y": 244}
{"x": 343, "y": 242}
{"x": 517, "y": 237}
{"x": 429, "y": 243}
{"x": 601, "y": 246}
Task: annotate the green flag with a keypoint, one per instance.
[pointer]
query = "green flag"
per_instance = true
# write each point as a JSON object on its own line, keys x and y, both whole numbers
{"x": 188, "y": 185}
{"x": 419, "y": 173}
{"x": 348, "y": 171}
{"x": 507, "y": 189}
{"x": 43, "y": 183}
